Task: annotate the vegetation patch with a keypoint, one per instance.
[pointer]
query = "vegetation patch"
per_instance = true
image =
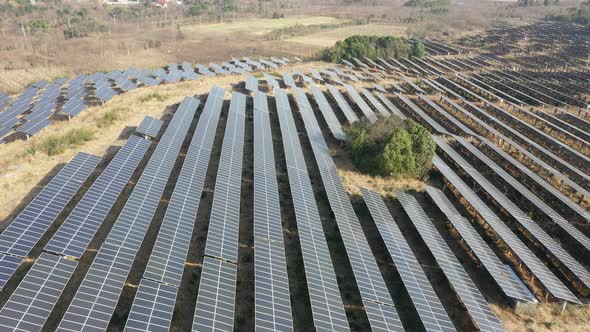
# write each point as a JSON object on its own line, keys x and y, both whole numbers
{"x": 57, "y": 144}
{"x": 153, "y": 96}
{"x": 372, "y": 47}
{"x": 107, "y": 119}
{"x": 391, "y": 147}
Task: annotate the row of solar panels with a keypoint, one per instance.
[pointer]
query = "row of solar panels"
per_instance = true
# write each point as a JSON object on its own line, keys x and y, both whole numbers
{"x": 567, "y": 265}
{"x": 224, "y": 272}
{"x": 32, "y": 110}
{"x": 97, "y": 296}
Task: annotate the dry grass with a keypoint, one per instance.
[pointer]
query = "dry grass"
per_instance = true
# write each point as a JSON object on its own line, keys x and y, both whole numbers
{"x": 545, "y": 318}
{"x": 262, "y": 26}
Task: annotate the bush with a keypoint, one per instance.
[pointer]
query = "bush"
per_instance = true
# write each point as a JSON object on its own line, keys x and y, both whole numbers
{"x": 391, "y": 147}
{"x": 153, "y": 96}
{"x": 418, "y": 50}
{"x": 57, "y": 144}
{"x": 367, "y": 46}
{"x": 107, "y": 119}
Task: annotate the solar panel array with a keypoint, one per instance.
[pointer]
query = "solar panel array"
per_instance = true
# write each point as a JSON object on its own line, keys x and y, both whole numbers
{"x": 272, "y": 298}
{"x": 27, "y": 228}
{"x": 547, "y": 210}
{"x": 543, "y": 274}
{"x": 416, "y": 109}
{"x": 515, "y": 145}
{"x": 149, "y": 126}
{"x": 74, "y": 235}
{"x": 150, "y": 310}
{"x": 8, "y": 265}
{"x": 362, "y": 105}
{"x": 480, "y": 311}
{"x": 271, "y": 81}
{"x": 342, "y": 104}
{"x": 251, "y": 83}
{"x": 222, "y": 237}
{"x": 223, "y": 233}
{"x": 97, "y": 296}
{"x": 544, "y": 239}
{"x": 429, "y": 308}
{"x": 326, "y": 304}
{"x": 511, "y": 286}
{"x": 376, "y": 104}
{"x": 288, "y": 80}
{"x": 168, "y": 256}
{"x": 33, "y": 300}
{"x": 381, "y": 311}
{"x": 218, "y": 287}
{"x": 328, "y": 113}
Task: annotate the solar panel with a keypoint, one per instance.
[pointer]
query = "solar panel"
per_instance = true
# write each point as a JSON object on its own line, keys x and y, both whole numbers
{"x": 328, "y": 113}
{"x": 376, "y": 104}
{"x": 449, "y": 117}
{"x": 74, "y": 235}
{"x": 483, "y": 316}
{"x": 326, "y": 303}
{"x": 429, "y": 308}
{"x": 556, "y": 193}
{"x": 204, "y": 71}
{"x": 8, "y": 265}
{"x": 34, "y": 126}
{"x": 97, "y": 296}
{"x": 218, "y": 69}
{"x": 222, "y": 236}
{"x": 272, "y": 81}
{"x": 4, "y": 99}
{"x": 152, "y": 308}
{"x": 392, "y": 108}
{"x": 544, "y": 239}
{"x": 28, "y": 227}
{"x": 31, "y": 303}
{"x": 543, "y": 274}
{"x": 367, "y": 111}
{"x": 216, "y": 297}
{"x": 378, "y": 87}
{"x": 342, "y": 104}
{"x": 149, "y": 126}
{"x": 370, "y": 282}
{"x": 168, "y": 256}
{"x": 251, "y": 83}
{"x": 316, "y": 75}
{"x": 492, "y": 131}
{"x": 511, "y": 286}
{"x": 272, "y": 300}
{"x": 269, "y": 64}
{"x": 288, "y": 80}
{"x": 416, "y": 109}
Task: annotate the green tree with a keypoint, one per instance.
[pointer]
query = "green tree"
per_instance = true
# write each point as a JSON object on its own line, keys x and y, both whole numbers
{"x": 397, "y": 157}
{"x": 418, "y": 50}
{"x": 423, "y": 147}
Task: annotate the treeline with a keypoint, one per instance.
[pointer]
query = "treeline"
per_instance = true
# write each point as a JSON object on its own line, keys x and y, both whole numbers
{"x": 372, "y": 47}
{"x": 391, "y": 147}
{"x": 428, "y": 3}
{"x": 532, "y": 3}
{"x": 579, "y": 15}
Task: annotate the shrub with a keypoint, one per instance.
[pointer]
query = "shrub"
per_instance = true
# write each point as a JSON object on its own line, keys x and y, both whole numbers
{"x": 107, "y": 119}
{"x": 153, "y": 96}
{"x": 391, "y": 147}
{"x": 367, "y": 46}
{"x": 418, "y": 50}
{"x": 57, "y": 144}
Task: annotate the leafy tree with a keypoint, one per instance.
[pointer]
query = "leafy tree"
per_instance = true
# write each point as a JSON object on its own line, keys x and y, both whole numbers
{"x": 423, "y": 147}
{"x": 418, "y": 50}
{"x": 391, "y": 147}
{"x": 397, "y": 157}
{"x": 367, "y": 46}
